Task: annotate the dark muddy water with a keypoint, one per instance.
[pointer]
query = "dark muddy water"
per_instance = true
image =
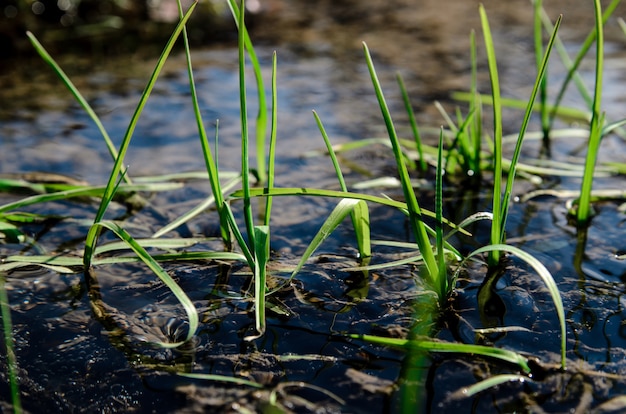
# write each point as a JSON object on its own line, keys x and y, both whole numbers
{"x": 86, "y": 351}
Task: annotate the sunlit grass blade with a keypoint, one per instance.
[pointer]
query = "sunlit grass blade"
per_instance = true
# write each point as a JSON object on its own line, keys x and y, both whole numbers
{"x": 119, "y": 160}
{"x": 261, "y": 120}
{"x": 432, "y": 345}
{"x": 339, "y": 213}
{"x": 542, "y": 68}
{"x": 439, "y": 240}
{"x": 360, "y": 213}
{"x": 544, "y": 275}
{"x": 272, "y": 151}
{"x": 77, "y": 95}
{"x": 595, "y": 129}
{"x": 496, "y": 236}
{"x": 220, "y": 378}
{"x": 202, "y": 207}
{"x": 488, "y": 383}
{"x": 153, "y": 265}
{"x": 413, "y": 207}
{"x": 261, "y": 254}
{"x": 11, "y": 358}
{"x": 209, "y": 160}
{"x": 582, "y": 52}
{"x": 412, "y": 122}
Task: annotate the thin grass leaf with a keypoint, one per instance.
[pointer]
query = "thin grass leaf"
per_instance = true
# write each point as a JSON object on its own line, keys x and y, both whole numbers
{"x": 413, "y": 207}
{"x": 597, "y": 121}
{"x": 210, "y": 162}
{"x": 539, "y": 54}
{"x": 441, "y": 259}
{"x": 119, "y": 160}
{"x": 544, "y": 275}
{"x": 543, "y": 66}
{"x": 77, "y": 95}
{"x": 496, "y": 233}
{"x": 339, "y": 213}
{"x": 190, "y": 309}
{"x": 272, "y": 152}
{"x": 11, "y": 358}
{"x": 412, "y": 122}
{"x": 261, "y": 119}
{"x": 220, "y": 378}
{"x": 490, "y": 382}
{"x": 262, "y": 256}
{"x": 432, "y": 345}
{"x": 360, "y": 214}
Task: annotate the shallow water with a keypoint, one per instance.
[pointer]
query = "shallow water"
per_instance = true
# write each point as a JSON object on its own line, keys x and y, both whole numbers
{"x": 81, "y": 345}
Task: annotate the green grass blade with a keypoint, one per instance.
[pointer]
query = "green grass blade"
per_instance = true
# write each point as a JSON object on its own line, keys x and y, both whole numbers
{"x": 261, "y": 120}
{"x": 490, "y": 383}
{"x": 209, "y": 160}
{"x": 221, "y": 378}
{"x": 496, "y": 235}
{"x": 538, "y": 86}
{"x": 545, "y": 276}
{"x": 245, "y": 156}
{"x": 339, "y": 213}
{"x": 360, "y": 213}
{"x": 11, "y": 359}
{"x": 539, "y": 53}
{"x": 597, "y": 121}
{"x": 432, "y": 345}
{"x": 412, "y": 122}
{"x": 77, "y": 95}
{"x": 119, "y": 160}
{"x": 441, "y": 257}
{"x": 272, "y": 152}
{"x": 415, "y": 217}
{"x": 262, "y": 255}
{"x": 190, "y": 309}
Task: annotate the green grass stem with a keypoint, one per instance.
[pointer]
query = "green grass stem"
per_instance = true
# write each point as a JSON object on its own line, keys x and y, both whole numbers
{"x": 595, "y": 129}
{"x": 415, "y": 213}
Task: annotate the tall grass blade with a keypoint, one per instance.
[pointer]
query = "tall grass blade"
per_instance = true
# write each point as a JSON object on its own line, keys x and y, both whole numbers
{"x": 496, "y": 236}
{"x": 243, "y": 103}
{"x": 119, "y": 160}
{"x": 77, "y": 95}
{"x": 412, "y": 122}
{"x": 539, "y": 53}
{"x": 261, "y": 119}
{"x": 597, "y": 123}
{"x": 209, "y": 160}
{"x": 541, "y": 74}
{"x": 441, "y": 257}
{"x": 272, "y": 151}
{"x": 415, "y": 213}
{"x": 7, "y": 327}
{"x": 360, "y": 213}
{"x": 262, "y": 255}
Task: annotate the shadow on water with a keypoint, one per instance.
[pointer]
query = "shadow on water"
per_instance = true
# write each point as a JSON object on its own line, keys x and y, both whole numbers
{"x": 84, "y": 341}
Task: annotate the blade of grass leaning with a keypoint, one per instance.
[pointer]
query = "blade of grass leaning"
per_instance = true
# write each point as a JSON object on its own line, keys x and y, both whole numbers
{"x": 595, "y": 129}
{"x": 261, "y": 119}
{"x": 11, "y": 359}
{"x": 245, "y": 156}
{"x": 412, "y": 122}
{"x": 77, "y": 95}
{"x": 210, "y": 162}
{"x": 496, "y": 236}
{"x": 119, "y": 160}
{"x": 339, "y": 213}
{"x": 271, "y": 167}
{"x": 415, "y": 218}
{"x": 572, "y": 69}
{"x": 439, "y": 240}
{"x": 475, "y": 107}
{"x": 360, "y": 213}
{"x": 316, "y": 192}
{"x": 153, "y": 265}
{"x": 432, "y": 345}
{"x": 537, "y": 87}
{"x": 261, "y": 254}
{"x": 545, "y": 276}
{"x": 488, "y": 383}
{"x": 539, "y": 53}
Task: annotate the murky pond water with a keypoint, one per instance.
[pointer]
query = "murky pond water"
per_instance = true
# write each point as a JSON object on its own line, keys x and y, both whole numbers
{"x": 82, "y": 340}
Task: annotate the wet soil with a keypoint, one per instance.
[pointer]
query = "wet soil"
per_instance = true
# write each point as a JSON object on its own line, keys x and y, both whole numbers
{"x": 83, "y": 340}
